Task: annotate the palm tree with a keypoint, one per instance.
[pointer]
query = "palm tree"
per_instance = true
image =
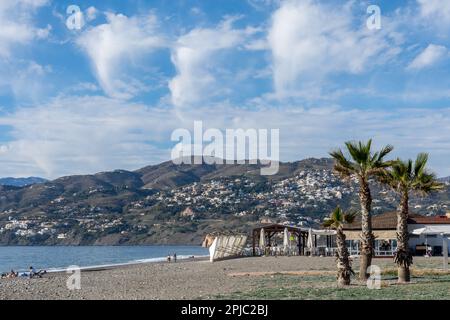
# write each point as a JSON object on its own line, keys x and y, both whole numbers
{"x": 362, "y": 165}
{"x": 405, "y": 177}
{"x": 336, "y": 221}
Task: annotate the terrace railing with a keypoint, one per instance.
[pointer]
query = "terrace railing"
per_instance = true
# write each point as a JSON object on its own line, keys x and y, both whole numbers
{"x": 378, "y": 252}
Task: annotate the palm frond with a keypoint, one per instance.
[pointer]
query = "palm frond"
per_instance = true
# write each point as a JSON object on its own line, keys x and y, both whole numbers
{"x": 361, "y": 161}
{"x": 357, "y": 151}
{"x": 328, "y": 223}
{"x": 349, "y": 217}
{"x": 384, "y": 152}
{"x": 421, "y": 162}
{"x": 405, "y": 176}
{"x": 342, "y": 166}
{"x": 338, "y": 217}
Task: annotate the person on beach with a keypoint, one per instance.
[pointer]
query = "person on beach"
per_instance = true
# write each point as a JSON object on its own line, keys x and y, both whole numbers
{"x": 168, "y": 258}
{"x": 13, "y": 274}
{"x": 174, "y": 257}
{"x": 33, "y": 273}
{"x": 9, "y": 275}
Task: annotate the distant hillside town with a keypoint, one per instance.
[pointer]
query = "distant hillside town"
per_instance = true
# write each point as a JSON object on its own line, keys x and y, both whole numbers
{"x": 173, "y": 204}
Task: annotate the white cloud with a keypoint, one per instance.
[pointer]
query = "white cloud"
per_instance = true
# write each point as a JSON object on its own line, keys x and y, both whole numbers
{"x": 17, "y": 27}
{"x": 43, "y": 33}
{"x": 115, "y": 45}
{"x": 310, "y": 41}
{"x": 27, "y": 82}
{"x": 20, "y": 75}
{"x": 436, "y": 12}
{"x": 74, "y": 135}
{"x": 195, "y": 56}
{"x": 428, "y": 57}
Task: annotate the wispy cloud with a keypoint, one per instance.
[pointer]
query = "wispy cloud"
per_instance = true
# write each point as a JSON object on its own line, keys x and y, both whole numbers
{"x": 20, "y": 75}
{"x": 115, "y": 45}
{"x": 311, "y": 40}
{"x": 428, "y": 57}
{"x": 17, "y": 27}
{"x": 436, "y": 12}
{"x": 195, "y": 57}
{"x": 75, "y": 134}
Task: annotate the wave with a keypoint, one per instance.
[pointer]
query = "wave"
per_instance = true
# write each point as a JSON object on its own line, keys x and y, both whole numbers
{"x": 121, "y": 264}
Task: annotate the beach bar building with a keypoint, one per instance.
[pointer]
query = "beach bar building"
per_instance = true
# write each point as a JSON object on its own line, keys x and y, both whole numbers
{"x": 427, "y": 234}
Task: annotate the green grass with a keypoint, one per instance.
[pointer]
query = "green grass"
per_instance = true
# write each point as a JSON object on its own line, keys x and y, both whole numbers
{"x": 430, "y": 287}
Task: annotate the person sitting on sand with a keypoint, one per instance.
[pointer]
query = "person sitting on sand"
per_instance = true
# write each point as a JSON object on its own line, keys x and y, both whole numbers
{"x": 33, "y": 273}
{"x": 13, "y": 274}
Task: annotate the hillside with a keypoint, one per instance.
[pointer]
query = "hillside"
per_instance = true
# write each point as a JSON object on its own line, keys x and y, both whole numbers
{"x": 170, "y": 203}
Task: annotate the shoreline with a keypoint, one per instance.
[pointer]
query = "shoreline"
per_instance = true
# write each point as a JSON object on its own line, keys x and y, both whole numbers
{"x": 106, "y": 267}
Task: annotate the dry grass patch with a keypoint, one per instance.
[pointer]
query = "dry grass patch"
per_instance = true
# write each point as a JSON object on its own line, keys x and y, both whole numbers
{"x": 284, "y": 273}
{"x": 418, "y": 272}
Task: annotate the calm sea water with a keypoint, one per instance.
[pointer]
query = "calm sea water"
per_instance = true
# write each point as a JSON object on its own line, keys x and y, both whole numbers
{"x": 21, "y": 258}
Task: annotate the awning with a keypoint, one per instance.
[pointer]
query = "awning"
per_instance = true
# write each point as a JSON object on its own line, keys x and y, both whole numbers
{"x": 323, "y": 232}
{"x": 433, "y": 230}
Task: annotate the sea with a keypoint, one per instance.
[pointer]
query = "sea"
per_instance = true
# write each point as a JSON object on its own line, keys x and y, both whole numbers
{"x": 59, "y": 258}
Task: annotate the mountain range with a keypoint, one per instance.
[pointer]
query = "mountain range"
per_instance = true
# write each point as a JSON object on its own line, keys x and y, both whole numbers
{"x": 169, "y": 203}
{"x": 21, "y": 182}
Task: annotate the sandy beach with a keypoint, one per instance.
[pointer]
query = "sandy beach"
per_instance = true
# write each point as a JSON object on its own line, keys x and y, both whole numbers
{"x": 198, "y": 279}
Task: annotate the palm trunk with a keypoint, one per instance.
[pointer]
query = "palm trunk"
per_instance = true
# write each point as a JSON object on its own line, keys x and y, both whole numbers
{"x": 403, "y": 257}
{"x": 367, "y": 238}
{"x": 343, "y": 263}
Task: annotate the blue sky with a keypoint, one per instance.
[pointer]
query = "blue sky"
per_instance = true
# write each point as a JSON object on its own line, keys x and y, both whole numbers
{"x": 108, "y": 95}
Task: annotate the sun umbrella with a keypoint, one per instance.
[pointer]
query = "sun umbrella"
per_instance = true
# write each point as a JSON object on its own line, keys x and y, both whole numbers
{"x": 310, "y": 243}
{"x": 445, "y": 250}
{"x": 262, "y": 239}
{"x": 443, "y": 231}
{"x": 286, "y": 239}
